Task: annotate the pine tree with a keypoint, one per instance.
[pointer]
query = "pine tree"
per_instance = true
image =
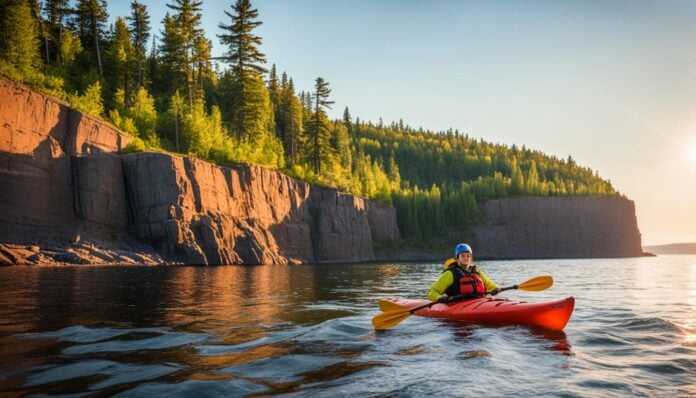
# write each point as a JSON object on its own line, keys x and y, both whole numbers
{"x": 172, "y": 76}
{"x": 154, "y": 71}
{"x": 201, "y": 62}
{"x": 91, "y": 18}
{"x": 243, "y": 46}
{"x": 140, "y": 32}
{"x": 347, "y": 120}
{"x": 246, "y": 59}
{"x": 274, "y": 87}
{"x": 175, "y": 111}
{"x": 533, "y": 186}
{"x": 290, "y": 117}
{"x": 120, "y": 56}
{"x": 55, "y": 11}
{"x": 42, "y": 30}
{"x": 274, "y": 91}
{"x": 19, "y": 40}
{"x": 319, "y": 134}
{"x": 184, "y": 34}
{"x": 144, "y": 115}
{"x": 340, "y": 142}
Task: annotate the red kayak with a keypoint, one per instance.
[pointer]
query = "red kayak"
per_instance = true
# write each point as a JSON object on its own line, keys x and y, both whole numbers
{"x": 552, "y": 315}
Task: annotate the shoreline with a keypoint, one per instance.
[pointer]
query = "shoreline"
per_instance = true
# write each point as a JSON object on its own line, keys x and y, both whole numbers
{"x": 133, "y": 253}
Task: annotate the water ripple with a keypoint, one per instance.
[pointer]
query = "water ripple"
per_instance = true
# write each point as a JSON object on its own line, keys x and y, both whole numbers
{"x": 164, "y": 340}
{"x": 116, "y": 373}
{"x": 195, "y": 388}
{"x": 281, "y": 369}
{"x": 236, "y": 331}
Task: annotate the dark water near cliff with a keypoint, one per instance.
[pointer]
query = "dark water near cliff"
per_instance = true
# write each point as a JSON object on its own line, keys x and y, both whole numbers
{"x": 305, "y": 331}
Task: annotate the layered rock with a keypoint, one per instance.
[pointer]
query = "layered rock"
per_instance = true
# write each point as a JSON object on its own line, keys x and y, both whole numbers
{"x": 200, "y": 213}
{"x": 555, "y": 227}
{"x": 38, "y": 137}
{"x": 68, "y": 193}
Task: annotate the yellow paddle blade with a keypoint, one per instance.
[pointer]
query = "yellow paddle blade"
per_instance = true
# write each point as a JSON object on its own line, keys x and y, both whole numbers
{"x": 536, "y": 284}
{"x": 387, "y": 305}
{"x": 388, "y": 319}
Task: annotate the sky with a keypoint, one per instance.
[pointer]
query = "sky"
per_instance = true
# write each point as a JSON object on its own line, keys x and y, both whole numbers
{"x": 610, "y": 83}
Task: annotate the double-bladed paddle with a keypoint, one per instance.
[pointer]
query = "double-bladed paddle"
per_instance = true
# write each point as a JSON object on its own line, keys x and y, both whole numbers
{"x": 396, "y": 313}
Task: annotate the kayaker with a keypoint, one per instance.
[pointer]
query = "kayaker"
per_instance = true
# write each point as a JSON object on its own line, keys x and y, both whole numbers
{"x": 461, "y": 277}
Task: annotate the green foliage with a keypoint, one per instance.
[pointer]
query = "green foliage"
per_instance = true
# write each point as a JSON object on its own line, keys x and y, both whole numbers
{"x": 144, "y": 115}
{"x": 19, "y": 42}
{"x": 55, "y": 32}
{"x": 465, "y": 172}
{"x": 203, "y": 131}
{"x": 436, "y": 181}
{"x": 181, "y": 47}
{"x": 139, "y": 119}
{"x": 139, "y": 24}
{"x": 288, "y": 117}
{"x": 369, "y": 179}
{"x": 173, "y": 60}
{"x": 249, "y": 110}
{"x": 90, "y": 102}
{"x": 137, "y": 145}
{"x": 91, "y": 18}
{"x": 318, "y": 130}
{"x": 173, "y": 121}
{"x": 124, "y": 123}
{"x": 120, "y": 57}
{"x": 70, "y": 47}
{"x": 243, "y": 46}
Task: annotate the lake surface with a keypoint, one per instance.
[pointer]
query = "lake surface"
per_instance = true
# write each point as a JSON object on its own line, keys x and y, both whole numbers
{"x": 305, "y": 331}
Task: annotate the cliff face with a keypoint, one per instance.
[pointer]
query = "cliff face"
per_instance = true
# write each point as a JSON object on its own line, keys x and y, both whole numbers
{"x": 558, "y": 227}
{"x": 69, "y": 195}
{"x": 39, "y": 140}
{"x": 64, "y": 179}
{"x": 199, "y": 213}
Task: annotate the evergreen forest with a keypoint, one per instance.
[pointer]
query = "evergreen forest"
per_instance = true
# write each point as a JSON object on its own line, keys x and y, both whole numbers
{"x": 161, "y": 86}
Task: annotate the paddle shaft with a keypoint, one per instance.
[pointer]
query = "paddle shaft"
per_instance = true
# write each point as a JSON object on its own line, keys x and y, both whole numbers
{"x": 420, "y": 307}
{"x": 462, "y": 297}
{"x": 453, "y": 299}
{"x": 508, "y": 288}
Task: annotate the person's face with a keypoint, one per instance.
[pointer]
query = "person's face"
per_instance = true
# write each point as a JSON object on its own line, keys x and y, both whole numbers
{"x": 464, "y": 258}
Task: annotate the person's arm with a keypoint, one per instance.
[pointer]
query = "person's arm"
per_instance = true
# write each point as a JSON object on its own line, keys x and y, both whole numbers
{"x": 441, "y": 284}
{"x": 489, "y": 284}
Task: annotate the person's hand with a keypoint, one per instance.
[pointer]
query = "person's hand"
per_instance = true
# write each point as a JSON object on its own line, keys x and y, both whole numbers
{"x": 495, "y": 291}
{"x": 443, "y": 299}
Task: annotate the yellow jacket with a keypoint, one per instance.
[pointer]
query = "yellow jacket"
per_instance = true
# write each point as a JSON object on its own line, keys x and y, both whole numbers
{"x": 447, "y": 278}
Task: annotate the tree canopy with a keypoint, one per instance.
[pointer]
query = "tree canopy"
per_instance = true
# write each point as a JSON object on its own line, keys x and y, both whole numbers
{"x": 172, "y": 99}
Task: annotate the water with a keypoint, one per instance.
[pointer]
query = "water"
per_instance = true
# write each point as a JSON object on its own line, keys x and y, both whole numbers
{"x": 305, "y": 331}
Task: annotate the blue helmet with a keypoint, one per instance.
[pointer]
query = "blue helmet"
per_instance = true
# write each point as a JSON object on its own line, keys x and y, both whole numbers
{"x": 462, "y": 248}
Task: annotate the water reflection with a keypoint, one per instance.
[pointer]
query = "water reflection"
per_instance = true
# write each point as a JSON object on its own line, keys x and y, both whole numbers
{"x": 557, "y": 338}
{"x": 552, "y": 340}
{"x": 690, "y": 321}
{"x": 176, "y": 331}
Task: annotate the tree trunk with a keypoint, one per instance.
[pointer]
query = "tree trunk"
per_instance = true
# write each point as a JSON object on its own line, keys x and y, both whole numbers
{"x": 140, "y": 71}
{"x": 176, "y": 129}
{"x": 59, "y": 55}
{"x": 96, "y": 46}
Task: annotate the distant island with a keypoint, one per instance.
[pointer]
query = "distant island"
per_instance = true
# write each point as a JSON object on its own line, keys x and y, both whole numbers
{"x": 674, "y": 248}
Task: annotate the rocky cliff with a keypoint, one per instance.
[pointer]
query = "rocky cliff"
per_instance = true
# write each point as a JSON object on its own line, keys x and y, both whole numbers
{"x": 200, "y": 213}
{"x": 558, "y": 227}
{"x": 70, "y": 195}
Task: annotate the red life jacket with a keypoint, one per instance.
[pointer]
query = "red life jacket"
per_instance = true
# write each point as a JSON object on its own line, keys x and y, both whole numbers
{"x": 467, "y": 284}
